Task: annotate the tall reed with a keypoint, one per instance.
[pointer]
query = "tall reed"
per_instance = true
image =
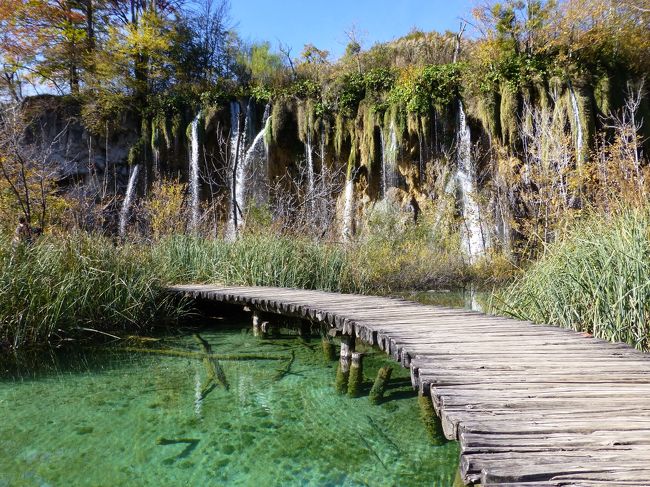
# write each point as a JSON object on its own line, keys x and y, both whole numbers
{"x": 262, "y": 260}
{"x": 52, "y": 289}
{"x": 596, "y": 279}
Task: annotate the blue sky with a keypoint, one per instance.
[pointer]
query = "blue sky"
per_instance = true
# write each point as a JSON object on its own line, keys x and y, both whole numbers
{"x": 323, "y": 23}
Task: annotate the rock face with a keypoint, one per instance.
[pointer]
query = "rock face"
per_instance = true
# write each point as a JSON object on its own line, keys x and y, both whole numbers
{"x": 329, "y": 168}
{"x": 78, "y": 154}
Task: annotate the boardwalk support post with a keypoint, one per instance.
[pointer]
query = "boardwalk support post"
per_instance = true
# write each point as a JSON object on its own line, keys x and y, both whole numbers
{"x": 379, "y": 387}
{"x": 257, "y": 324}
{"x": 343, "y": 371}
{"x": 329, "y": 351}
{"x": 431, "y": 421}
{"x": 355, "y": 379}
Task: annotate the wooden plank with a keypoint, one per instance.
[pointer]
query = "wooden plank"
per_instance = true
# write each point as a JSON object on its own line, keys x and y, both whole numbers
{"x": 530, "y": 404}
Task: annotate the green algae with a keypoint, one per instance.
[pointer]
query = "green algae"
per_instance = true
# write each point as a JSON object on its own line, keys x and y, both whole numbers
{"x": 379, "y": 387}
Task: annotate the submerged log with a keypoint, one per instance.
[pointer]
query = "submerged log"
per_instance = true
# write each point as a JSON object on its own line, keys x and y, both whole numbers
{"x": 212, "y": 365}
{"x": 431, "y": 421}
{"x": 379, "y": 387}
{"x": 355, "y": 378}
{"x": 283, "y": 372}
{"x": 227, "y": 357}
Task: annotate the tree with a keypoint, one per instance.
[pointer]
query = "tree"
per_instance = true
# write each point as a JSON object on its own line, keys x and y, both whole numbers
{"x": 27, "y": 176}
{"x": 261, "y": 67}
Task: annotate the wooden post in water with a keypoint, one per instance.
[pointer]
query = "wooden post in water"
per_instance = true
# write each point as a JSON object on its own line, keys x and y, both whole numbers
{"x": 329, "y": 351}
{"x": 355, "y": 378}
{"x": 379, "y": 387}
{"x": 257, "y": 322}
{"x": 431, "y": 421}
{"x": 343, "y": 371}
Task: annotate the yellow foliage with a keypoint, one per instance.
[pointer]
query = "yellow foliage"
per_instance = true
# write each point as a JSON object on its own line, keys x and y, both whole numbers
{"x": 164, "y": 208}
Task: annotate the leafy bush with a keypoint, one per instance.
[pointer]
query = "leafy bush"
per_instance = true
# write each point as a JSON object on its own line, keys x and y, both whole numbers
{"x": 420, "y": 89}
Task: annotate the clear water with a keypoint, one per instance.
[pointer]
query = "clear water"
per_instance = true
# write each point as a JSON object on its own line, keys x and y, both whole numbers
{"x": 115, "y": 418}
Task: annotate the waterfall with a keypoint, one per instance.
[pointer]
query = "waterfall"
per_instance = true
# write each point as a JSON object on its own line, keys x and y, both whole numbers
{"x": 323, "y": 186}
{"x": 156, "y": 162}
{"x": 309, "y": 158}
{"x": 577, "y": 123}
{"x": 236, "y": 149}
{"x": 472, "y": 234}
{"x": 128, "y": 198}
{"x": 389, "y": 174}
{"x": 245, "y": 158}
{"x": 254, "y": 167}
{"x": 348, "y": 209}
{"x": 194, "y": 171}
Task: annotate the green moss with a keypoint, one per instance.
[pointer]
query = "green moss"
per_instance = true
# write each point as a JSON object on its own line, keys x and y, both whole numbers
{"x": 352, "y": 159}
{"x": 329, "y": 350}
{"x": 137, "y": 152}
{"x": 341, "y": 382}
{"x": 366, "y": 123}
{"x": 602, "y": 95}
{"x": 355, "y": 378}
{"x": 176, "y": 124}
{"x": 280, "y": 115}
{"x": 343, "y": 129}
{"x": 304, "y": 115}
{"x": 508, "y": 115}
{"x": 430, "y": 419}
{"x": 155, "y": 135}
{"x": 489, "y": 113}
{"x": 379, "y": 387}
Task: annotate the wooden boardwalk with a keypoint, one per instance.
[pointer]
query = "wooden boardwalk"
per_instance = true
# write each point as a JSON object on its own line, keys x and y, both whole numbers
{"x": 530, "y": 405}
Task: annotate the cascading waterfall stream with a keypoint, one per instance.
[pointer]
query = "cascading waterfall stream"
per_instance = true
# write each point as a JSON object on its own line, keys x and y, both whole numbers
{"x": 577, "y": 123}
{"x": 128, "y": 199}
{"x": 235, "y": 156}
{"x": 388, "y": 159}
{"x": 309, "y": 157}
{"x": 248, "y": 167}
{"x": 382, "y": 189}
{"x": 472, "y": 233}
{"x": 254, "y": 168}
{"x": 348, "y": 209}
{"x": 194, "y": 171}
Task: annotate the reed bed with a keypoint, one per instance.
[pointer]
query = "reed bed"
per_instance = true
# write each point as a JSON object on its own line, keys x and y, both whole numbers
{"x": 258, "y": 260}
{"x": 596, "y": 280}
{"x": 63, "y": 286}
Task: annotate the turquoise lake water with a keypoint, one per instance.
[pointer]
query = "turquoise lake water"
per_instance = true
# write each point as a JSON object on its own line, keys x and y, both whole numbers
{"x": 109, "y": 418}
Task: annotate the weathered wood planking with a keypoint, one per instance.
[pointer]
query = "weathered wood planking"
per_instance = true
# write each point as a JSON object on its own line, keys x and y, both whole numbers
{"x": 531, "y": 405}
